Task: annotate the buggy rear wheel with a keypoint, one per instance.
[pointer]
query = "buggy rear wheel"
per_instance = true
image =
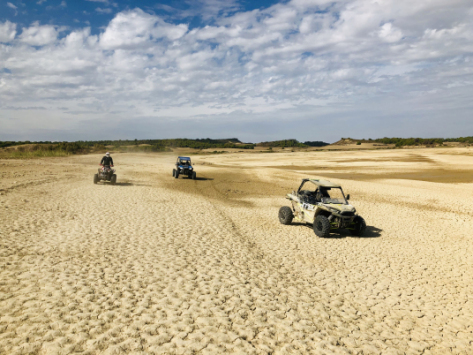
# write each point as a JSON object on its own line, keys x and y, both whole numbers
{"x": 96, "y": 178}
{"x": 322, "y": 226}
{"x": 359, "y": 226}
{"x": 285, "y": 215}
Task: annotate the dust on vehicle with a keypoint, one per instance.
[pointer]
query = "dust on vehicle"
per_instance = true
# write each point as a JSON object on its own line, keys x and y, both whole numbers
{"x": 324, "y": 205}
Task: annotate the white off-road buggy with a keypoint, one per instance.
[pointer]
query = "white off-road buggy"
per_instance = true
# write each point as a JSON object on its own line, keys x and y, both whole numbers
{"x": 324, "y": 205}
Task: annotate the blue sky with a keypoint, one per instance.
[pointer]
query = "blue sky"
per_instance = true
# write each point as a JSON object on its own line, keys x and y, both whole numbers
{"x": 97, "y": 14}
{"x": 257, "y": 70}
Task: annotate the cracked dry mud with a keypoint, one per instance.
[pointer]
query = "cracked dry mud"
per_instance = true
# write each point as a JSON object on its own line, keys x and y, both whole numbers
{"x": 156, "y": 265}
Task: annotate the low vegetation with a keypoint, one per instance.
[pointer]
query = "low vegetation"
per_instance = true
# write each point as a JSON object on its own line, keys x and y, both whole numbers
{"x": 403, "y": 142}
{"x": 292, "y": 143}
{"x": 42, "y": 149}
{"x": 162, "y": 145}
{"x": 27, "y": 149}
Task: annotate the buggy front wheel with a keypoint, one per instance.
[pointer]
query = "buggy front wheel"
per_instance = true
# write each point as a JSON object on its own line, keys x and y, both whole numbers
{"x": 285, "y": 215}
{"x": 322, "y": 226}
{"x": 194, "y": 175}
{"x": 173, "y": 172}
{"x": 359, "y": 226}
{"x": 176, "y": 175}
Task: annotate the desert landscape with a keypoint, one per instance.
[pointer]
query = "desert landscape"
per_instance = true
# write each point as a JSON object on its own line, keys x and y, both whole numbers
{"x": 157, "y": 265}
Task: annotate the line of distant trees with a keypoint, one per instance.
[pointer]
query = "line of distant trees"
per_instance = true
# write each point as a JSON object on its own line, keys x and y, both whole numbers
{"x": 401, "y": 142}
{"x": 162, "y": 145}
{"x": 68, "y": 147}
{"x": 152, "y": 145}
{"x": 290, "y": 143}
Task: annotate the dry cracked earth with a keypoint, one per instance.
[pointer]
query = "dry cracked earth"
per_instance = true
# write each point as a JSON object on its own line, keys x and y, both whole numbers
{"x": 155, "y": 265}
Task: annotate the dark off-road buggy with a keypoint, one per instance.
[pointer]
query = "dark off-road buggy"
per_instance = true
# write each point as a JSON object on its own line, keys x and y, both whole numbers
{"x": 106, "y": 173}
{"x": 184, "y": 167}
{"x": 324, "y": 205}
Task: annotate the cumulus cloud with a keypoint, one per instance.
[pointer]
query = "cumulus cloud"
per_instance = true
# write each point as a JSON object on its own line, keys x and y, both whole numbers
{"x": 135, "y": 28}
{"x": 299, "y": 59}
{"x": 7, "y": 31}
{"x": 37, "y": 35}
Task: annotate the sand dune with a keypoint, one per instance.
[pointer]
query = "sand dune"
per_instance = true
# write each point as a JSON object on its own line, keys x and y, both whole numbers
{"x": 155, "y": 265}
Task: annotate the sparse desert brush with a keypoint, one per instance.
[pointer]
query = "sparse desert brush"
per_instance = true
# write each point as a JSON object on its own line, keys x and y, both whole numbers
{"x": 22, "y": 154}
{"x": 30, "y": 151}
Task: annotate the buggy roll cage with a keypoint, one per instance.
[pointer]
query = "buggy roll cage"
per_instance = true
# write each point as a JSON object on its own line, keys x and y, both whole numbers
{"x": 179, "y": 159}
{"x": 321, "y": 184}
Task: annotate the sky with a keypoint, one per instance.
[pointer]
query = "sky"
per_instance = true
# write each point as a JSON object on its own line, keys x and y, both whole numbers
{"x": 254, "y": 70}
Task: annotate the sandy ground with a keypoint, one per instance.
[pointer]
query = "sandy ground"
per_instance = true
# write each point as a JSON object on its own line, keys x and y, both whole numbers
{"x": 155, "y": 265}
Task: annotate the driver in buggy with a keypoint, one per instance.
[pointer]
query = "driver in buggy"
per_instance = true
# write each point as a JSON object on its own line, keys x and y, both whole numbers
{"x": 321, "y": 193}
{"x": 106, "y": 163}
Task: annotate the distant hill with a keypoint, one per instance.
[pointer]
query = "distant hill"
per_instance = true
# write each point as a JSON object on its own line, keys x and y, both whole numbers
{"x": 345, "y": 141}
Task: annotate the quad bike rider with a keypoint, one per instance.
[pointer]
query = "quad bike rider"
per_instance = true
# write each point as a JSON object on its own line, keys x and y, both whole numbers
{"x": 184, "y": 167}
{"x": 106, "y": 172}
{"x": 326, "y": 213}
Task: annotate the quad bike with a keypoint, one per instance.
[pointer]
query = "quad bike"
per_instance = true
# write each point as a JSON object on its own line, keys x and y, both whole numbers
{"x": 106, "y": 173}
{"x": 184, "y": 167}
{"x": 326, "y": 213}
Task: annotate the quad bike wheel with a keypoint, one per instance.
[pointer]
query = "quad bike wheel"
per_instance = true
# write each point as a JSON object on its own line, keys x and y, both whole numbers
{"x": 113, "y": 179}
{"x": 96, "y": 178}
{"x": 285, "y": 215}
{"x": 322, "y": 226}
{"x": 194, "y": 175}
{"x": 359, "y": 226}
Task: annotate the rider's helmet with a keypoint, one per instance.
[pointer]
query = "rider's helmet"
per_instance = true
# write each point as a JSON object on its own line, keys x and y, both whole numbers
{"x": 107, "y": 154}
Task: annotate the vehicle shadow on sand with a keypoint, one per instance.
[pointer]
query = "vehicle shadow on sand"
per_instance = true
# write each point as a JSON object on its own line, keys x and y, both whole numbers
{"x": 203, "y": 179}
{"x": 200, "y": 179}
{"x": 127, "y": 184}
{"x": 370, "y": 232}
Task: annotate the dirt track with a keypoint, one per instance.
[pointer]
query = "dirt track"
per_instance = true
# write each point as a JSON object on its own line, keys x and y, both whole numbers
{"x": 158, "y": 265}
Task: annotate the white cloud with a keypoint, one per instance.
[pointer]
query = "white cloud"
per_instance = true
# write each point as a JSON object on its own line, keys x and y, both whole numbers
{"x": 11, "y": 6}
{"x": 135, "y": 28}
{"x": 303, "y": 57}
{"x": 37, "y": 35}
{"x": 7, "y": 31}
{"x": 390, "y": 34}
{"x": 103, "y": 11}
